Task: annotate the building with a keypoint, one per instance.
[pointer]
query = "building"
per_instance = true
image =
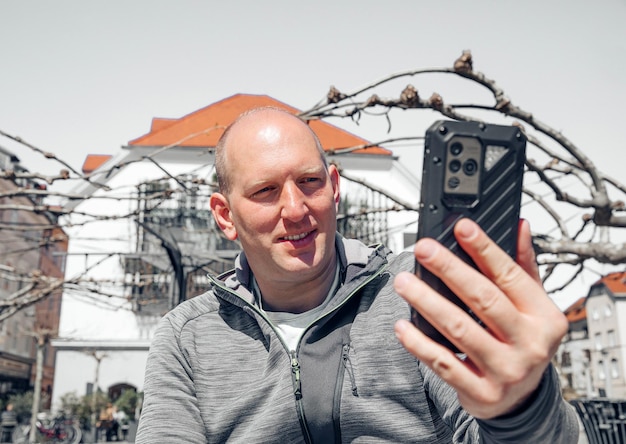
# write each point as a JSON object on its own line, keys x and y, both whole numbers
{"x": 606, "y": 322}
{"x": 143, "y": 238}
{"x": 592, "y": 354}
{"x": 31, "y": 245}
{"x": 574, "y": 354}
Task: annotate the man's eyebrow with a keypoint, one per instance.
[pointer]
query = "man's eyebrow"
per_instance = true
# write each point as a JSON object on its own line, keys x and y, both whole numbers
{"x": 256, "y": 183}
{"x": 313, "y": 169}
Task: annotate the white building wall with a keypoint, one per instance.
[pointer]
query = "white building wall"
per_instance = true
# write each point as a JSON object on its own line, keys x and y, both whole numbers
{"x": 604, "y": 316}
{"x": 84, "y": 315}
{"x": 578, "y": 370}
{"x": 620, "y": 310}
{"x": 98, "y": 319}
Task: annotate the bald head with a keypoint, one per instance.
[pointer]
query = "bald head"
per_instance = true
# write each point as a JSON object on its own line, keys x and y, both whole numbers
{"x": 258, "y": 119}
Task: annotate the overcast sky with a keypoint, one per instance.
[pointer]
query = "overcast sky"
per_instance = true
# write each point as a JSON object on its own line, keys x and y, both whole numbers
{"x": 86, "y": 77}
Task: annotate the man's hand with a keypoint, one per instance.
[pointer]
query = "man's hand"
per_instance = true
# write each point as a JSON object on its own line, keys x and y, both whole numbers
{"x": 506, "y": 361}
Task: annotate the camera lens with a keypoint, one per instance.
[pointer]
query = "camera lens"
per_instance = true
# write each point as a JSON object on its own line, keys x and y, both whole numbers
{"x": 470, "y": 167}
{"x": 456, "y": 148}
{"x": 455, "y": 166}
{"x": 454, "y": 182}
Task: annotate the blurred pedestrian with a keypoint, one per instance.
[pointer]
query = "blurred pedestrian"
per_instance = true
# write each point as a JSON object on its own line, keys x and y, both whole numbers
{"x": 8, "y": 422}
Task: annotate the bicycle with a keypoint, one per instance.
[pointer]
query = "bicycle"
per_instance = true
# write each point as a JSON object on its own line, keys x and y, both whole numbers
{"x": 57, "y": 430}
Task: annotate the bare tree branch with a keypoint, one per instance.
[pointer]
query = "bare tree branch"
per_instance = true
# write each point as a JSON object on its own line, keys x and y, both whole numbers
{"x": 560, "y": 178}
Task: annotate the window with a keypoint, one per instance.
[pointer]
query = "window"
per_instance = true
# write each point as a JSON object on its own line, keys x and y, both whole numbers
{"x": 598, "y": 341}
{"x": 611, "y": 337}
{"x": 566, "y": 360}
{"x": 614, "y": 369}
{"x": 608, "y": 310}
{"x": 595, "y": 314}
{"x": 601, "y": 374}
{"x": 176, "y": 211}
{"x": 5, "y": 162}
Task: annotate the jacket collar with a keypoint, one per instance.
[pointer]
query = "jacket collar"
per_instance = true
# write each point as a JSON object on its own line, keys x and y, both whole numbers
{"x": 354, "y": 258}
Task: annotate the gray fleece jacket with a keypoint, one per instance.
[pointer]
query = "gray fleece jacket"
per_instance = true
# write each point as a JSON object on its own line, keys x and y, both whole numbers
{"x": 218, "y": 372}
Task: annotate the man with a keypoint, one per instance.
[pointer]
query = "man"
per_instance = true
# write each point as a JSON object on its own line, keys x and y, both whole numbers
{"x": 298, "y": 343}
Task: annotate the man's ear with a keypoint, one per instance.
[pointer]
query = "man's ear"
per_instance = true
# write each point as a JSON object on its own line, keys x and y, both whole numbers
{"x": 334, "y": 180}
{"x": 221, "y": 213}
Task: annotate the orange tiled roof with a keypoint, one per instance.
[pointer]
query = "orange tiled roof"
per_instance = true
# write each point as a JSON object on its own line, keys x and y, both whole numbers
{"x": 94, "y": 161}
{"x": 576, "y": 311}
{"x": 615, "y": 282}
{"x": 204, "y": 127}
{"x": 159, "y": 123}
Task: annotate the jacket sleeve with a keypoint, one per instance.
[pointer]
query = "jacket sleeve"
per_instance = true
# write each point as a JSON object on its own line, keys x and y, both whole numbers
{"x": 170, "y": 410}
{"x": 548, "y": 418}
{"x": 446, "y": 404}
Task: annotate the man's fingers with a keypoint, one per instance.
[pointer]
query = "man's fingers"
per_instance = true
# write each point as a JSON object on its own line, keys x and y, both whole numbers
{"x": 479, "y": 293}
{"x": 443, "y": 362}
{"x": 513, "y": 280}
{"x": 525, "y": 251}
{"x": 469, "y": 381}
{"x": 453, "y": 322}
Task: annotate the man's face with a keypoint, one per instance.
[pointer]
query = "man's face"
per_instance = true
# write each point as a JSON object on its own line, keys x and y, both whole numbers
{"x": 282, "y": 200}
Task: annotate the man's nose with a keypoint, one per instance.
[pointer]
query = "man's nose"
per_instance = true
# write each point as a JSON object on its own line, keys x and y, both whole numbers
{"x": 293, "y": 206}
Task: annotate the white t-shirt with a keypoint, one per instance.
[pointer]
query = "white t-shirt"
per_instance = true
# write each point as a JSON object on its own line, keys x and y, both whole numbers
{"x": 291, "y": 325}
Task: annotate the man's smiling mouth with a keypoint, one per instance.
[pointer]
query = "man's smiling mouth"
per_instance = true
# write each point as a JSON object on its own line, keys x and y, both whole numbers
{"x": 296, "y": 237}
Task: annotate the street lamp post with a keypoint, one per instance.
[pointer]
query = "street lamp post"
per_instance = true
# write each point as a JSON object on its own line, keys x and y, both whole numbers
{"x": 42, "y": 339}
{"x": 94, "y": 394}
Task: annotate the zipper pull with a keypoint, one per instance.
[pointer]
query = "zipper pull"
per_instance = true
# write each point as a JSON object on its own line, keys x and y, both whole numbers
{"x": 347, "y": 363}
{"x": 295, "y": 371}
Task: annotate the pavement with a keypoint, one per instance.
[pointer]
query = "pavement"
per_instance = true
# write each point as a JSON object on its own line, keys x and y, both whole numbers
{"x": 130, "y": 438}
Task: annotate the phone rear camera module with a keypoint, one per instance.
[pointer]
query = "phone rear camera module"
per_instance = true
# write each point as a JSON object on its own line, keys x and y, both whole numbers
{"x": 455, "y": 166}
{"x": 470, "y": 167}
{"x": 456, "y": 148}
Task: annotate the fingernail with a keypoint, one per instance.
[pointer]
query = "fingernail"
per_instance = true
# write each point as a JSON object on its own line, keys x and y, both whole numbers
{"x": 524, "y": 222}
{"x": 465, "y": 228}
{"x": 400, "y": 327}
{"x": 425, "y": 249}
{"x": 401, "y": 281}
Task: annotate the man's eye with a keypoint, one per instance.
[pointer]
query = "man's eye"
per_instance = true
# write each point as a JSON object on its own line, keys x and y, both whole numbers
{"x": 262, "y": 191}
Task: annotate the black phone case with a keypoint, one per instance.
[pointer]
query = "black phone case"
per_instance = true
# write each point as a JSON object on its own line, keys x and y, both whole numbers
{"x": 480, "y": 180}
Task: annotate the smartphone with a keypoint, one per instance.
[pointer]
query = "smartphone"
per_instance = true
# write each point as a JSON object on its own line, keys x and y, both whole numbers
{"x": 471, "y": 170}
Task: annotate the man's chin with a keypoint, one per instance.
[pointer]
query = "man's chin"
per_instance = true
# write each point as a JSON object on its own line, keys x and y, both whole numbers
{"x": 301, "y": 265}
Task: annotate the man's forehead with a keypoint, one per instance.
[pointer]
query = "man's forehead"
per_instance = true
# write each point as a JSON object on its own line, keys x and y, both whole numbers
{"x": 270, "y": 133}
{"x": 268, "y": 122}
{"x": 263, "y": 129}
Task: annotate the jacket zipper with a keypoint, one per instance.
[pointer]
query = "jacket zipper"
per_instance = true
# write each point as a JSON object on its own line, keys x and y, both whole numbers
{"x": 295, "y": 373}
{"x": 297, "y": 392}
{"x": 293, "y": 356}
{"x": 345, "y": 357}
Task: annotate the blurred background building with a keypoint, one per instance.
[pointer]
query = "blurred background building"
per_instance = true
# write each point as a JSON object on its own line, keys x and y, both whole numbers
{"x": 593, "y": 353}
{"x": 32, "y": 262}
